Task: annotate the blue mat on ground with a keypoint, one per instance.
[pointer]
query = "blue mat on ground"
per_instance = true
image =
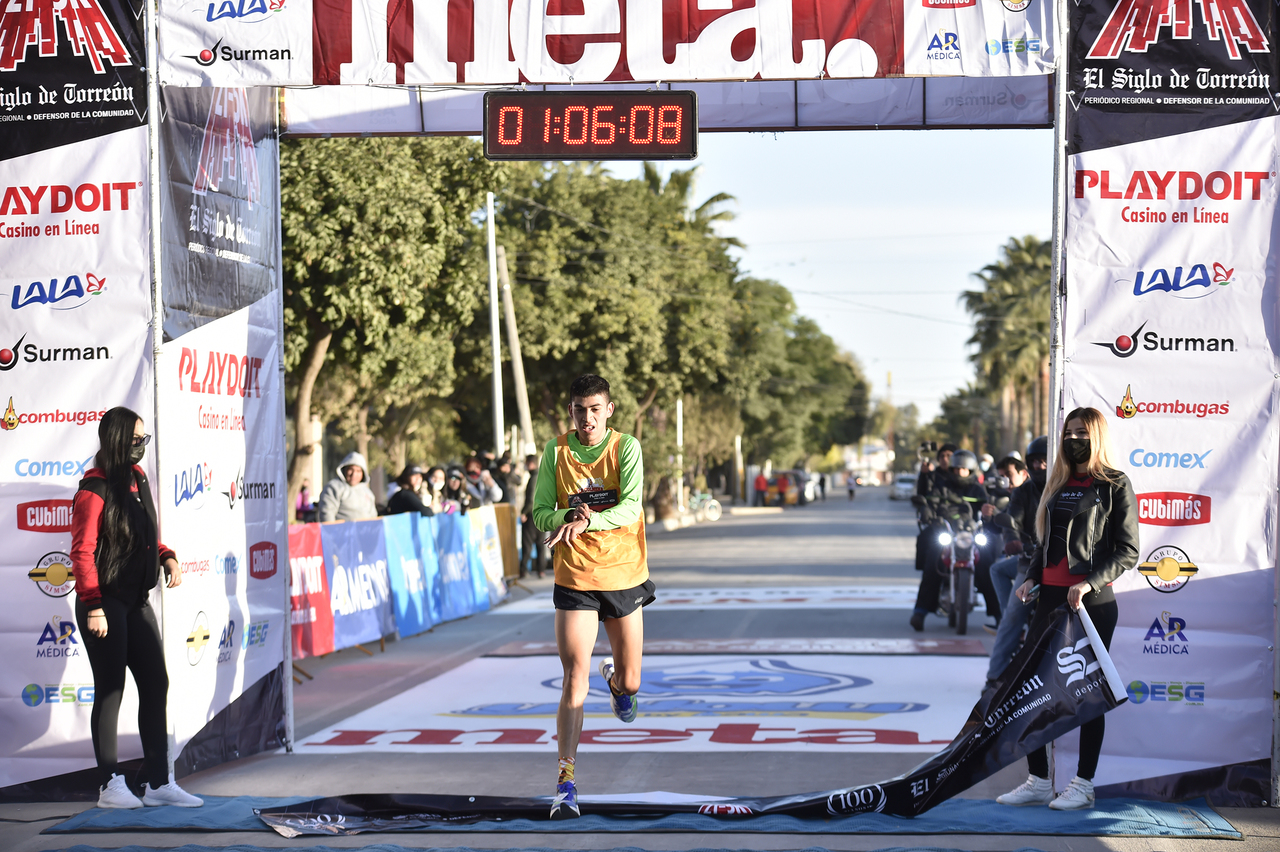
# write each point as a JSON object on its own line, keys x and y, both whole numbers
{"x": 386, "y": 847}
{"x": 1111, "y": 817}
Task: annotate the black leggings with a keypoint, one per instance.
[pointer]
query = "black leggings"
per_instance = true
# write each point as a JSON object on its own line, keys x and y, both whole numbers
{"x": 132, "y": 641}
{"x": 1104, "y": 613}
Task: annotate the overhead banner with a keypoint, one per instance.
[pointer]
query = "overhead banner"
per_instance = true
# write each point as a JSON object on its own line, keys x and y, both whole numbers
{"x": 495, "y": 42}
{"x": 222, "y": 510}
{"x": 75, "y": 340}
{"x": 1169, "y": 330}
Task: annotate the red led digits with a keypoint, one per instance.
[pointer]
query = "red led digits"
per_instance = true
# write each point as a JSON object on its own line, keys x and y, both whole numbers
{"x": 665, "y": 125}
{"x": 590, "y": 125}
{"x": 503, "y": 137}
{"x": 597, "y": 125}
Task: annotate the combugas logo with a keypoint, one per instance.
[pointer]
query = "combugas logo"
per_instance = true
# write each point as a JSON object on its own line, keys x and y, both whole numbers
{"x": 1128, "y": 409}
{"x": 9, "y": 421}
{"x": 198, "y": 638}
{"x": 1126, "y": 345}
{"x": 53, "y": 575}
{"x": 1167, "y": 631}
{"x": 1168, "y": 569}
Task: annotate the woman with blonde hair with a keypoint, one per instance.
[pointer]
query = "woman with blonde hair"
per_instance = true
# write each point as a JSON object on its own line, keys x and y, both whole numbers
{"x": 1087, "y": 525}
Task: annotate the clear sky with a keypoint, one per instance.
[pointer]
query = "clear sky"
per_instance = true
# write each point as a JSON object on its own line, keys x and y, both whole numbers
{"x": 876, "y": 233}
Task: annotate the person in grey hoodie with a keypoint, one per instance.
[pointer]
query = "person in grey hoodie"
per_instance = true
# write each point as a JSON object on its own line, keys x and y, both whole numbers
{"x": 347, "y": 496}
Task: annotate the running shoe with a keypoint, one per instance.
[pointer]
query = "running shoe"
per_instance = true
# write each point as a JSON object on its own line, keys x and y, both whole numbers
{"x": 565, "y": 804}
{"x": 116, "y": 794}
{"x": 1079, "y": 794}
{"x": 1033, "y": 791}
{"x": 170, "y": 794}
{"x": 624, "y": 706}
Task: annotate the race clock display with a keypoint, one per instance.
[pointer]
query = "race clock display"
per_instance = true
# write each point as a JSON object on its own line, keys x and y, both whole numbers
{"x": 590, "y": 125}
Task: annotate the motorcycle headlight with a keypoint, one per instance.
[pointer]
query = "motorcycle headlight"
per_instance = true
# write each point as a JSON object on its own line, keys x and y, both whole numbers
{"x": 980, "y": 539}
{"x": 964, "y": 539}
{"x": 944, "y": 539}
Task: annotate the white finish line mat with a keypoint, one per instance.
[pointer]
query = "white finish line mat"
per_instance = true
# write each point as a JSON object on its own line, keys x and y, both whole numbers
{"x": 754, "y": 597}
{"x": 839, "y": 645}
{"x": 687, "y": 703}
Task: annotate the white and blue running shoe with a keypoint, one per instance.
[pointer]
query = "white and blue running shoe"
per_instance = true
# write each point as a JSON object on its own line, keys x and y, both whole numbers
{"x": 624, "y": 706}
{"x": 565, "y": 804}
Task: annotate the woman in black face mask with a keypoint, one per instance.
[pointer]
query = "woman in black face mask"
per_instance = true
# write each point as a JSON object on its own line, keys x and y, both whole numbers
{"x": 116, "y": 557}
{"x": 1087, "y": 525}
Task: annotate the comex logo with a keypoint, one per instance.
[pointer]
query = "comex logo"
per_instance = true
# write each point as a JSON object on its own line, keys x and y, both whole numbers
{"x": 1144, "y": 458}
{"x": 1168, "y": 630}
{"x": 1073, "y": 663}
{"x": 1176, "y": 691}
{"x": 1168, "y": 569}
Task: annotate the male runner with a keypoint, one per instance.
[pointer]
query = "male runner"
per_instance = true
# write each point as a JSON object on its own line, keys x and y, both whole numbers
{"x": 592, "y": 506}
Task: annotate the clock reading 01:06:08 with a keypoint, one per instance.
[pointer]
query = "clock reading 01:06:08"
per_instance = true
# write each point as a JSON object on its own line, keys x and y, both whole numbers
{"x": 590, "y": 125}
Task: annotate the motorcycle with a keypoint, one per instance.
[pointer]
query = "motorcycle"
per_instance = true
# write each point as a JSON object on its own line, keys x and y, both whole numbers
{"x": 961, "y": 549}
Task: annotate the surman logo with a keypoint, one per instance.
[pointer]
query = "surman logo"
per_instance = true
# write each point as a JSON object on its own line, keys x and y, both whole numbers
{"x": 1073, "y": 663}
{"x": 206, "y": 57}
{"x": 1135, "y": 25}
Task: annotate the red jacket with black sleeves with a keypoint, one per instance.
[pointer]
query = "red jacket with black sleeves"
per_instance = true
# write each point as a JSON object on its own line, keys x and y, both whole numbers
{"x": 141, "y": 572}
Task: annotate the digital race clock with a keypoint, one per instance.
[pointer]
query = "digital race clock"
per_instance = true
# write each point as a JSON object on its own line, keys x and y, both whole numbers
{"x": 590, "y": 125}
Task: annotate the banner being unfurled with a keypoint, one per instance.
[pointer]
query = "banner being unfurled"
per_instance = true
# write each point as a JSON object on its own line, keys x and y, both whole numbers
{"x": 487, "y": 42}
{"x": 1060, "y": 679}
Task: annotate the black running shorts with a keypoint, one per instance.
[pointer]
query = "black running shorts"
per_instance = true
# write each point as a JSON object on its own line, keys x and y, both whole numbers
{"x": 605, "y": 604}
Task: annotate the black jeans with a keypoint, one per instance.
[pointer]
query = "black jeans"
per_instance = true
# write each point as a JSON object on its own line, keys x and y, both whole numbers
{"x": 133, "y": 642}
{"x": 1104, "y": 613}
{"x": 533, "y": 548}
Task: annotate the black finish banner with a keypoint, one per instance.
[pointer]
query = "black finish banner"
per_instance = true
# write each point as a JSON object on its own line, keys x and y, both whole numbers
{"x": 1055, "y": 684}
{"x": 1143, "y": 69}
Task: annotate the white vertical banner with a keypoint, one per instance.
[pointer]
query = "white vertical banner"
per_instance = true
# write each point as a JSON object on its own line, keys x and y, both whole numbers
{"x": 221, "y": 494}
{"x": 1170, "y": 331}
{"x": 75, "y": 314}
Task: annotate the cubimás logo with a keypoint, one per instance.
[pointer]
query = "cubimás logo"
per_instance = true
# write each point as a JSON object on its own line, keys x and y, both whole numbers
{"x": 1188, "y": 693}
{"x": 1168, "y": 569}
{"x": 1126, "y": 345}
{"x": 198, "y": 638}
{"x": 262, "y": 560}
{"x": 58, "y": 639}
{"x": 46, "y": 516}
{"x": 1174, "y": 509}
{"x": 1128, "y": 409}
{"x": 53, "y": 574}
{"x": 1167, "y": 629}
{"x": 63, "y": 294}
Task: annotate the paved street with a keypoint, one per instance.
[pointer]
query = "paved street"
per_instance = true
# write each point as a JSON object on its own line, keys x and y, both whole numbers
{"x": 750, "y": 579}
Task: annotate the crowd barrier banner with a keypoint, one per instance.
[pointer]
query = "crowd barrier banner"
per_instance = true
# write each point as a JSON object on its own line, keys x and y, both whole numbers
{"x": 313, "y": 42}
{"x": 1169, "y": 323}
{"x": 414, "y": 572}
{"x": 221, "y": 510}
{"x": 464, "y": 589}
{"x": 75, "y": 340}
{"x": 488, "y": 544}
{"x": 355, "y": 564}
{"x": 310, "y": 614}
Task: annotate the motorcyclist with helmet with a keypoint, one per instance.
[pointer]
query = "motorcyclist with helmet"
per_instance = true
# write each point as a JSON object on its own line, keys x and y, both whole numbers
{"x": 954, "y": 496}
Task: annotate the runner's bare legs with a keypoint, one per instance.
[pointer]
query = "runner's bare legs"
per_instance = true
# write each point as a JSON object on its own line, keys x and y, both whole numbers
{"x": 576, "y": 632}
{"x": 626, "y": 638}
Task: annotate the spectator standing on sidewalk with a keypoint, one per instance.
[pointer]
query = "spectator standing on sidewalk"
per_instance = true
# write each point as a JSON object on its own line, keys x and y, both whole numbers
{"x": 481, "y": 485}
{"x": 456, "y": 496}
{"x": 347, "y": 496}
{"x": 533, "y": 548}
{"x": 409, "y": 497}
{"x": 762, "y": 489}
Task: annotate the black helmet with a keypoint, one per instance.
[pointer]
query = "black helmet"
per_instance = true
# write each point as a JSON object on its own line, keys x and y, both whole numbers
{"x": 1038, "y": 447}
{"x": 964, "y": 459}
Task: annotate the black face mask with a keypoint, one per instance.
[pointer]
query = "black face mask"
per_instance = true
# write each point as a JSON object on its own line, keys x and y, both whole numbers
{"x": 1076, "y": 450}
{"x": 136, "y": 453}
{"x": 957, "y": 478}
{"x": 1039, "y": 476}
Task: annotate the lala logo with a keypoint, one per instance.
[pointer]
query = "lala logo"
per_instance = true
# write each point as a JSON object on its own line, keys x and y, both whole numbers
{"x": 244, "y": 10}
{"x": 1161, "y": 281}
{"x": 192, "y": 485}
{"x": 70, "y": 293}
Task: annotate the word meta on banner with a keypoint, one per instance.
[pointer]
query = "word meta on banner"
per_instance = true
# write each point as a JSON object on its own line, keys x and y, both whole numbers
{"x": 590, "y": 125}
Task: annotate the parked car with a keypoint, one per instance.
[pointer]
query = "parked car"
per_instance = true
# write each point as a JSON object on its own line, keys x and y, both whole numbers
{"x": 904, "y": 487}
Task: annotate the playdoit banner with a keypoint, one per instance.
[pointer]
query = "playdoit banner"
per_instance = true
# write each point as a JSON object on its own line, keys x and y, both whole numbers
{"x": 487, "y": 42}
{"x": 75, "y": 319}
{"x": 1171, "y": 209}
{"x": 222, "y": 510}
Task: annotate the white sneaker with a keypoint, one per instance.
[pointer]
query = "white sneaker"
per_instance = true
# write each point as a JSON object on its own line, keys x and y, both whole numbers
{"x": 1079, "y": 794}
{"x": 170, "y": 794}
{"x": 117, "y": 795}
{"x": 1034, "y": 791}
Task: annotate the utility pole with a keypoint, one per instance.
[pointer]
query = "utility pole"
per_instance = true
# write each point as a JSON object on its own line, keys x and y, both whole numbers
{"x": 893, "y": 419}
{"x": 680, "y": 453}
{"x": 526, "y": 447}
{"x": 498, "y": 437}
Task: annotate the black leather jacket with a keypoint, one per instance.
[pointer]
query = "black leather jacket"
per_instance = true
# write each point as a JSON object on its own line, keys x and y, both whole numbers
{"x": 1020, "y": 516}
{"x": 1102, "y": 535}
